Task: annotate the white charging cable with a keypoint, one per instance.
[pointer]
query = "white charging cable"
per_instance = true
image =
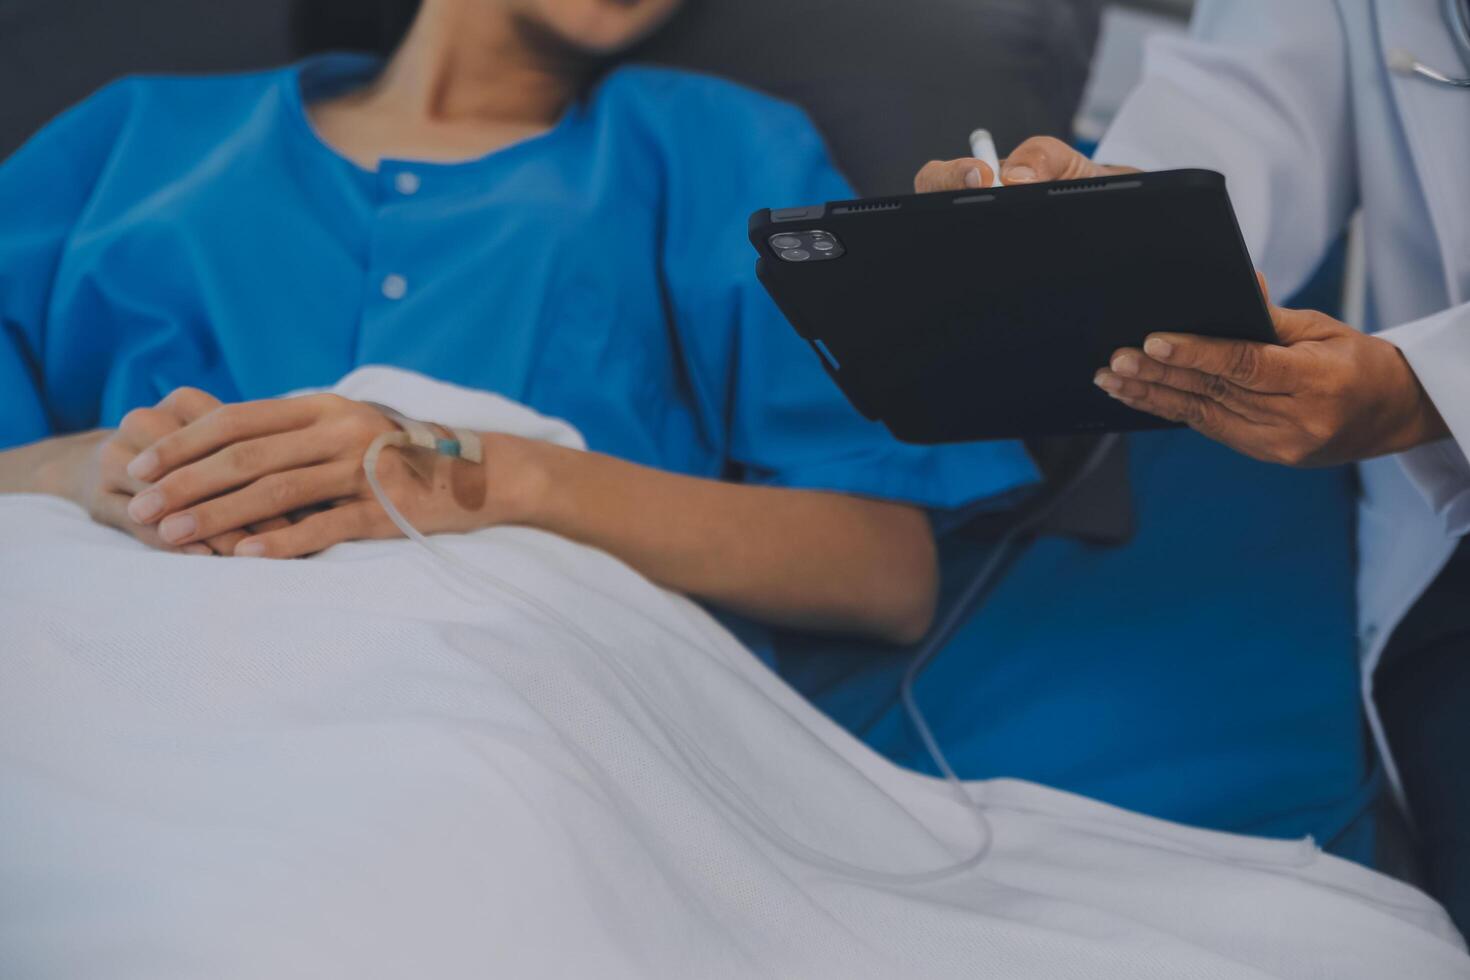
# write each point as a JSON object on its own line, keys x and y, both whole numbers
{"x": 714, "y": 779}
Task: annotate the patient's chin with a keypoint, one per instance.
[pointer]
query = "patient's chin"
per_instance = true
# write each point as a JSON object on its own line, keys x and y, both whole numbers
{"x": 583, "y": 33}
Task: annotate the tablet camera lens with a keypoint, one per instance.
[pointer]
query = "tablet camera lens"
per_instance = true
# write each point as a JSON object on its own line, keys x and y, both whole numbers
{"x": 824, "y": 245}
{"x": 786, "y": 241}
{"x": 796, "y": 255}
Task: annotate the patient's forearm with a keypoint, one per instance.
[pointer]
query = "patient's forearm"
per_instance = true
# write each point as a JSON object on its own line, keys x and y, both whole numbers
{"x": 50, "y": 466}
{"x": 803, "y": 559}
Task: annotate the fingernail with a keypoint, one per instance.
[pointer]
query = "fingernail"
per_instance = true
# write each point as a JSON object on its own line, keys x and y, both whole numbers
{"x": 1126, "y": 365}
{"x": 1158, "y": 348}
{"x": 146, "y": 505}
{"x": 973, "y": 178}
{"x": 250, "y": 549}
{"x": 1019, "y": 174}
{"x": 177, "y": 527}
{"x": 142, "y": 465}
{"x": 1108, "y": 382}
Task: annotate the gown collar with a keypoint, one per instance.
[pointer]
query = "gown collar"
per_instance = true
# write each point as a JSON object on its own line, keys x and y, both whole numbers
{"x": 327, "y": 75}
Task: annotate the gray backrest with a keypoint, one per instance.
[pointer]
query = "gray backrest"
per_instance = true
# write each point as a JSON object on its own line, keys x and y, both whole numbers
{"x": 53, "y": 53}
{"x": 893, "y": 83}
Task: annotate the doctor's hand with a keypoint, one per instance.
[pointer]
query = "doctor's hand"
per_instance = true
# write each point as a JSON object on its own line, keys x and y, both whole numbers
{"x": 1327, "y": 395}
{"x": 1038, "y": 160}
{"x": 242, "y": 464}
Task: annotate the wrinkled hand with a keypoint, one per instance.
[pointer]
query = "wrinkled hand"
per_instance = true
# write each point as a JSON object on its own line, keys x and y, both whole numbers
{"x": 1040, "y": 159}
{"x": 1327, "y": 395}
{"x": 105, "y": 488}
{"x": 242, "y": 464}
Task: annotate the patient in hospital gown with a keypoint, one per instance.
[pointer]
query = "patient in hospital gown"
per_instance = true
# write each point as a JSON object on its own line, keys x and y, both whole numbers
{"x": 582, "y": 252}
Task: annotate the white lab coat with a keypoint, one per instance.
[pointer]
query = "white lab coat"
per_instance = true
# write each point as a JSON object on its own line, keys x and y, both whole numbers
{"x": 1293, "y": 101}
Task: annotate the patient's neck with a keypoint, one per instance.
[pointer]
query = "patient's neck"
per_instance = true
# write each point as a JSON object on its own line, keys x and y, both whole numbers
{"x": 469, "y": 79}
{"x": 475, "y": 61}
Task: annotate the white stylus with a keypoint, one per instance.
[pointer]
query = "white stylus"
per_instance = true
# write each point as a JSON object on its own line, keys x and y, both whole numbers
{"x": 982, "y": 147}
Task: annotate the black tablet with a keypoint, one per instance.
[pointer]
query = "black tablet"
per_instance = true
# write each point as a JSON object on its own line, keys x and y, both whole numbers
{"x": 985, "y": 314}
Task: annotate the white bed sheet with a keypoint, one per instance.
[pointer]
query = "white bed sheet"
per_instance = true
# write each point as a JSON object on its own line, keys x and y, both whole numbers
{"x": 356, "y": 766}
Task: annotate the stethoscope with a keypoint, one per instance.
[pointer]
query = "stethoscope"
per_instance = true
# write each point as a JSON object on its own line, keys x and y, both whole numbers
{"x": 1457, "y": 16}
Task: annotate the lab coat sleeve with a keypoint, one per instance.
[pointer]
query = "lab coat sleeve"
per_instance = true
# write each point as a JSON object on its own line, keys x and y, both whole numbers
{"x": 1258, "y": 91}
{"x": 1438, "y": 349}
{"x": 44, "y": 187}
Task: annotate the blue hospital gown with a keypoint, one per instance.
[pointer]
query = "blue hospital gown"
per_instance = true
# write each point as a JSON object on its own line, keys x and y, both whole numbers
{"x": 196, "y": 231}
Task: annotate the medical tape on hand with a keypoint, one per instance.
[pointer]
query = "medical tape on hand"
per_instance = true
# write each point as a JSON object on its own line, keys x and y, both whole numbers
{"x": 465, "y": 445}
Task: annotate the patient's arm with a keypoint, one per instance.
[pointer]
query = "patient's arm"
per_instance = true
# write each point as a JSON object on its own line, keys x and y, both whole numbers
{"x": 799, "y": 558}
{"x": 51, "y": 466}
{"x": 789, "y": 557}
{"x": 90, "y": 470}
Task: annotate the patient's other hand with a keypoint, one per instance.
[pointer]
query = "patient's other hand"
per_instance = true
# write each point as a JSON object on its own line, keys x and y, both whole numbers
{"x": 101, "y": 482}
{"x": 242, "y": 464}
{"x": 1038, "y": 160}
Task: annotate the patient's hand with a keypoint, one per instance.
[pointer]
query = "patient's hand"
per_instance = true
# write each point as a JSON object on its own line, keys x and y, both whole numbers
{"x": 102, "y": 484}
{"x": 242, "y": 464}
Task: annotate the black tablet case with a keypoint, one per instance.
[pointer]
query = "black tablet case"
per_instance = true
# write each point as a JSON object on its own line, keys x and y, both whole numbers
{"x": 985, "y": 314}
